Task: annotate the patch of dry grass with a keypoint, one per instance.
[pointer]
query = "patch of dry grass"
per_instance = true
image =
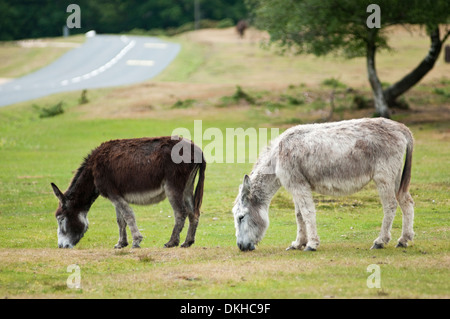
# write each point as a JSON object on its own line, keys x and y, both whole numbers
{"x": 200, "y": 272}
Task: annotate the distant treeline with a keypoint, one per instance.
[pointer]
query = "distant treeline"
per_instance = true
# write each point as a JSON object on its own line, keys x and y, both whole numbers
{"x": 21, "y": 19}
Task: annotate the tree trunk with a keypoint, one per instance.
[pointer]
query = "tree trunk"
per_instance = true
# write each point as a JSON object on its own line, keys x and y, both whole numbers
{"x": 411, "y": 79}
{"x": 381, "y": 106}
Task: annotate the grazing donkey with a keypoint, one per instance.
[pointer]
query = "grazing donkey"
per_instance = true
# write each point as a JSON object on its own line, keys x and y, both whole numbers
{"x": 331, "y": 159}
{"x": 134, "y": 171}
{"x": 241, "y": 26}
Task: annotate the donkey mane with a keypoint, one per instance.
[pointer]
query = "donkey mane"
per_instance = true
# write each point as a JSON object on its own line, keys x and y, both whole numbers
{"x": 83, "y": 180}
{"x": 77, "y": 175}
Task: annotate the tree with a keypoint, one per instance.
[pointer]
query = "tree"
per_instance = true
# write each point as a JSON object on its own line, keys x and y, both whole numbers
{"x": 340, "y": 26}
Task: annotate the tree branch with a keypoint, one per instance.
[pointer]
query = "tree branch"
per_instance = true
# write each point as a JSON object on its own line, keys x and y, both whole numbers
{"x": 446, "y": 37}
{"x": 412, "y": 78}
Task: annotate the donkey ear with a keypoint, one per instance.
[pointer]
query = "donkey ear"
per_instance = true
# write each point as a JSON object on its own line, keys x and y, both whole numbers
{"x": 58, "y": 193}
{"x": 246, "y": 186}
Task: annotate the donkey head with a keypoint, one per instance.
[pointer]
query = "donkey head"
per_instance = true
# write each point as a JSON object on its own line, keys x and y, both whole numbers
{"x": 72, "y": 221}
{"x": 250, "y": 218}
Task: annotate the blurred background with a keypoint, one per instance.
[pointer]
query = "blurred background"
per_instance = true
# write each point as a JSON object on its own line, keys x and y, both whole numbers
{"x": 45, "y": 18}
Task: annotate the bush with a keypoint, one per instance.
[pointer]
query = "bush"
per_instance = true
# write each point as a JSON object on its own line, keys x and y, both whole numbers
{"x": 360, "y": 102}
{"x": 335, "y": 83}
{"x": 83, "y": 99}
{"x": 241, "y": 95}
{"x": 237, "y": 97}
{"x": 51, "y": 111}
{"x": 292, "y": 100}
{"x": 142, "y": 32}
{"x": 442, "y": 92}
{"x": 190, "y": 26}
{"x": 225, "y": 23}
{"x": 180, "y": 104}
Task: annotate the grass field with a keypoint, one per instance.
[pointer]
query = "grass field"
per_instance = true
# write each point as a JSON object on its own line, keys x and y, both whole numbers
{"x": 37, "y": 151}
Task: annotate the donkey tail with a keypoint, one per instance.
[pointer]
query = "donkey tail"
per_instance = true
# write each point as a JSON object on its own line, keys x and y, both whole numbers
{"x": 198, "y": 195}
{"x": 406, "y": 174}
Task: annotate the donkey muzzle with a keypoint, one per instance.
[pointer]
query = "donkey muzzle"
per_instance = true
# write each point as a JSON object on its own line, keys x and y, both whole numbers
{"x": 246, "y": 247}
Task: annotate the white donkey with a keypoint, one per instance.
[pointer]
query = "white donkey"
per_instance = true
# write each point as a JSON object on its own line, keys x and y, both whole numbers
{"x": 332, "y": 159}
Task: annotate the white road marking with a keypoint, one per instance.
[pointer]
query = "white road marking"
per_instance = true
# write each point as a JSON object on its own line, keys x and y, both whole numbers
{"x": 141, "y": 62}
{"x": 103, "y": 68}
{"x": 155, "y": 45}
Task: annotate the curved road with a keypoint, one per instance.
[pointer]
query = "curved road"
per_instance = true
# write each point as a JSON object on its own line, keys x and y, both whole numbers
{"x": 102, "y": 61}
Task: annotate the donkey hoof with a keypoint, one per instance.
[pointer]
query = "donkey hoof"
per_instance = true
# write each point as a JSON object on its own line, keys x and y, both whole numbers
{"x": 120, "y": 245}
{"x": 294, "y": 247}
{"x": 170, "y": 245}
{"x": 308, "y": 248}
{"x": 401, "y": 245}
{"x": 136, "y": 245}
{"x": 186, "y": 244}
{"x": 377, "y": 246}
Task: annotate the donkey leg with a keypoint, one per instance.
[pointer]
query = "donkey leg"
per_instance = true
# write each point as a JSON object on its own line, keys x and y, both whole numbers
{"x": 190, "y": 237}
{"x": 301, "y": 231}
{"x": 130, "y": 219}
{"x": 179, "y": 210}
{"x": 193, "y": 223}
{"x": 407, "y": 205}
{"x": 180, "y": 217}
{"x": 123, "y": 242}
{"x": 389, "y": 203}
{"x": 304, "y": 201}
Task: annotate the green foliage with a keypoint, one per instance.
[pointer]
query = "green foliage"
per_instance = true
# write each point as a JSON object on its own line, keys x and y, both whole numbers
{"x": 360, "y": 102}
{"x": 442, "y": 92}
{"x": 188, "y": 26}
{"x": 183, "y": 104}
{"x": 241, "y": 95}
{"x": 238, "y": 96}
{"x": 292, "y": 100}
{"x": 83, "y": 98}
{"x": 323, "y": 27}
{"x": 31, "y": 19}
{"x": 225, "y": 23}
{"x": 334, "y": 83}
{"x": 51, "y": 111}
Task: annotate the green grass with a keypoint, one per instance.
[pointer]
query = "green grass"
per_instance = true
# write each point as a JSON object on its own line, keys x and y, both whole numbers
{"x": 38, "y": 151}
{"x": 188, "y": 61}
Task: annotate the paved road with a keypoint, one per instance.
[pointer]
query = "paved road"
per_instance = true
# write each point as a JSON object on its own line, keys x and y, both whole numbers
{"x": 103, "y": 61}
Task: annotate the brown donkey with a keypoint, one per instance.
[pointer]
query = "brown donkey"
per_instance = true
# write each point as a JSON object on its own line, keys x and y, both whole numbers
{"x": 139, "y": 171}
